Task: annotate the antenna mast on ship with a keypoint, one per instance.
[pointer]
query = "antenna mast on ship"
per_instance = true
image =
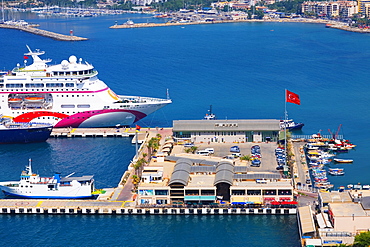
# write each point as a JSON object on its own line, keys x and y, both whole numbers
{"x": 29, "y": 168}
{"x": 2, "y": 9}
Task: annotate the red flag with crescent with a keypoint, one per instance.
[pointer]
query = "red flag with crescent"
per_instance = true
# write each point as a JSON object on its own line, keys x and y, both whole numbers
{"x": 292, "y": 98}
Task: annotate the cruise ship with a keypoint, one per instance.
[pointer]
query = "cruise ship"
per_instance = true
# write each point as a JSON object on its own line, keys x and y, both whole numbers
{"x": 68, "y": 94}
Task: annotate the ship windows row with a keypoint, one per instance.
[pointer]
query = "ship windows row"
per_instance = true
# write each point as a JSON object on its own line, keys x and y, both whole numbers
{"x": 78, "y": 106}
{"x": 66, "y": 73}
{"x": 38, "y": 85}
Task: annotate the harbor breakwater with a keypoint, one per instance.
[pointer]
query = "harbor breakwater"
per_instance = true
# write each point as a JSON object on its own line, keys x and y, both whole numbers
{"x": 140, "y": 25}
{"x": 44, "y": 33}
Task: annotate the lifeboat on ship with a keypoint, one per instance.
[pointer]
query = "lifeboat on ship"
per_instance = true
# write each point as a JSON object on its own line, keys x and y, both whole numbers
{"x": 15, "y": 100}
{"x": 34, "y": 99}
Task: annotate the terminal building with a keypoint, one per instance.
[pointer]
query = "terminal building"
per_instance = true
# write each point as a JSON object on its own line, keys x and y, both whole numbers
{"x": 180, "y": 180}
{"x": 226, "y": 131}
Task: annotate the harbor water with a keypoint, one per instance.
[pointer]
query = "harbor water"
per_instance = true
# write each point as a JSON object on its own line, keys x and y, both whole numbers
{"x": 241, "y": 69}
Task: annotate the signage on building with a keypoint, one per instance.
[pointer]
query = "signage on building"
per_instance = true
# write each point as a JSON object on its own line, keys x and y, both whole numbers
{"x": 226, "y": 125}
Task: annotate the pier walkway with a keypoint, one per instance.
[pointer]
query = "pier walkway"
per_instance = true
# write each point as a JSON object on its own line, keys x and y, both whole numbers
{"x": 44, "y": 33}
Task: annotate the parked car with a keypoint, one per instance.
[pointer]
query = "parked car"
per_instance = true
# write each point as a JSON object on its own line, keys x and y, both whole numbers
{"x": 203, "y": 152}
{"x": 236, "y": 155}
{"x": 256, "y": 162}
{"x": 188, "y": 145}
{"x": 235, "y": 149}
{"x": 210, "y": 150}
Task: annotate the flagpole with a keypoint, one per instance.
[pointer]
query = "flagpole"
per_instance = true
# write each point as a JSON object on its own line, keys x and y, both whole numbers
{"x": 136, "y": 144}
{"x": 285, "y": 139}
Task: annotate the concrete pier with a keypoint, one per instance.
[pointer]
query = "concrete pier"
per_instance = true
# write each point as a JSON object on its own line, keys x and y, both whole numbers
{"x": 44, "y": 33}
{"x": 96, "y": 132}
{"x": 86, "y": 207}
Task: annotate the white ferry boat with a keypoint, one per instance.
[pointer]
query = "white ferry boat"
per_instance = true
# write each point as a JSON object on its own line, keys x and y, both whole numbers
{"x": 68, "y": 94}
{"x": 31, "y": 185}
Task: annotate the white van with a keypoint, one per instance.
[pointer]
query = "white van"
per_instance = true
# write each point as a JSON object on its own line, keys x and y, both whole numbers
{"x": 236, "y": 155}
{"x": 203, "y": 152}
{"x": 210, "y": 150}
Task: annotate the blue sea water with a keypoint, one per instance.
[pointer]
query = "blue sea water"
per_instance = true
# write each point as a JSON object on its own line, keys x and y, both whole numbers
{"x": 241, "y": 69}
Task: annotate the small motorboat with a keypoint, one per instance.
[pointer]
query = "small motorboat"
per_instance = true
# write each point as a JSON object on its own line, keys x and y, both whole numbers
{"x": 343, "y": 160}
{"x": 336, "y": 171}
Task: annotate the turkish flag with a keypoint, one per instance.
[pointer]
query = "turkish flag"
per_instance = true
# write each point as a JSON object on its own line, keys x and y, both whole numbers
{"x": 292, "y": 98}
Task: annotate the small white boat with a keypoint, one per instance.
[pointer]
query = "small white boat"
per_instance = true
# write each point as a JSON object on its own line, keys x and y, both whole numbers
{"x": 343, "y": 160}
{"x": 33, "y": 186}
{"x": 336, "y": 171}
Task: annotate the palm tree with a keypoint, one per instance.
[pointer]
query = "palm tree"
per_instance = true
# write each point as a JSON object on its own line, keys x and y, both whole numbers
{"x": 246, "y": 158}
{"x": 153, "y": 144}
{"x": 193, "y": 149}
{"x": 362, "y": 240}
{"x": 135, "y": 179}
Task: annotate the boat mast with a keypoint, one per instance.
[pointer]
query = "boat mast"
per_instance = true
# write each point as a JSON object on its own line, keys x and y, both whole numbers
{"x": 29, "y": 168}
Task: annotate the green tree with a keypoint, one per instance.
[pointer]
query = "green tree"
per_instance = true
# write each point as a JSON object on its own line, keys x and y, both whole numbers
{"x": 246, "y": 158}
{"x": 192, "y": 149}
{"x": 153, "y": 144}
{"x": 362, "y": 240}
{"x": 135, "y": 179}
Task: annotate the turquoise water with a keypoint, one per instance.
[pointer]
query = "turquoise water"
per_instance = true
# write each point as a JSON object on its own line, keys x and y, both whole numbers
{"x": 241, "y": 69}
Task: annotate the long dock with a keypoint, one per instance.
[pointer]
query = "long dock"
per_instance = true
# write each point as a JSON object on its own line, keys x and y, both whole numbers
{"x": 98, "y": 132}
{"x": 65, "y": 207}
{"x": 44, "y": 33}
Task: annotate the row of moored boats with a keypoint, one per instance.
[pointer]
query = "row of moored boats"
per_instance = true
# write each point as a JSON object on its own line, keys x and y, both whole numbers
{"x": 320, "y": 153}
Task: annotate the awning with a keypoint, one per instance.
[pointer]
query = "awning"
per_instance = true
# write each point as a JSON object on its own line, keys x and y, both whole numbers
{"x": 238, "y": 203}
{"x": 291, "y": 202}
{"x": 285, "y": 198}
{"x": 238, "y": 199}
{"x": 254, "y": 199}
{"x": 167, "y": 145}
{"x": 269, "y": 198}
{"x": 275, "y": 203}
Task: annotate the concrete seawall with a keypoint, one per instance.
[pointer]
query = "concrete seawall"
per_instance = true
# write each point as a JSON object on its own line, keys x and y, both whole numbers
{"x": 44, "y": 33}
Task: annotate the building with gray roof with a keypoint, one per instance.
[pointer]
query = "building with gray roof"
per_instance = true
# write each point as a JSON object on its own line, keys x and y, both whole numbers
{"x": 246, "y": 130}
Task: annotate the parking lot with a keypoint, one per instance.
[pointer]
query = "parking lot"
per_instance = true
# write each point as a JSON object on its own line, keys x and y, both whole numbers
{"x": 268, "y": 160}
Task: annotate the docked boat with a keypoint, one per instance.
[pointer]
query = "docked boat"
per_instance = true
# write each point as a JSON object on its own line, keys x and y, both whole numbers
{"x": 68, "y": 94}
{"x": 290, "y": 125}
{"x": 210, "y": 115}
{"x": 33, "y": 186}
{"x": 343, "y": 160}
{"x": 13, "y": 132}
{"x": 336, "y": 171}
